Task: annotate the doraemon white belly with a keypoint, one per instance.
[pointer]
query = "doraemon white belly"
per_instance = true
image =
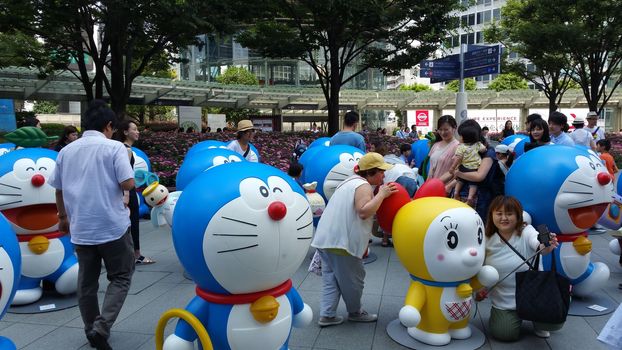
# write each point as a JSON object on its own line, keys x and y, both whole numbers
{"x": 41, "y": 265}
{"x": 453, "y": 307}
{"x": 244, "y": 332}
{"x": 573, "y": 263}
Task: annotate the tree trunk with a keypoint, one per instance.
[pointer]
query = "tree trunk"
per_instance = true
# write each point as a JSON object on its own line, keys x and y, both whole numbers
{"x": 552, "y": 102}
{"x": 335, "y": 87}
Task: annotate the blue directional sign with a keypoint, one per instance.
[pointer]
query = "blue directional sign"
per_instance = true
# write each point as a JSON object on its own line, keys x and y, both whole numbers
{"x": 482, "y": 61}
{"x": 442, "y": 69}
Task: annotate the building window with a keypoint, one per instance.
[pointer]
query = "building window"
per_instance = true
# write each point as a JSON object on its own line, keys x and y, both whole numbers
{"x": 464, "y": 21}
{"x": 496, "y": 14}
{"x": 472, "y": 19}
{"x": 486, "y": 16}
{"x": 479, "y": 38}
{"x": 471, "y": 38}
{"x": 455, "y": 41}
{"x": 463, "y": 38}
{"x": 487, "y": 2}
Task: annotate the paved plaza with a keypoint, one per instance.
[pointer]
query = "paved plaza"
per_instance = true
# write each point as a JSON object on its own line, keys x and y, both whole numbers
{"x": 162, "y": 286}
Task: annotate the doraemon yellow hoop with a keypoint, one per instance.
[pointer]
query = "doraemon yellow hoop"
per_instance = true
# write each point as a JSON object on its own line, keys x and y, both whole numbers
{"x": 194, "y": 322}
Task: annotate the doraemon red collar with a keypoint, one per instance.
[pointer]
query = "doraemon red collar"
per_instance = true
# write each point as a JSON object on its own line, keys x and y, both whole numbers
{"x": 244, "y": 298}
{"x": 48, "y": 235}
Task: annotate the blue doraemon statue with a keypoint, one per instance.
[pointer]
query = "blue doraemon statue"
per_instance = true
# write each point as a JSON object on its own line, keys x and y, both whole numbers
{"x": 321, "y": 141}
{"x": 6, "y": 148}
{"x": 329, "y": 166}
{"x": 203, "y": 145}
{"x": 29, "y": 204}
{"x": 567, "y": 189}
{"x": 141, "y": 162}
{"x": 199, "y": 161}
{"x": 516, "y": 143}
{"x": 10, "y": 263}
{"x": 241, "y": 231}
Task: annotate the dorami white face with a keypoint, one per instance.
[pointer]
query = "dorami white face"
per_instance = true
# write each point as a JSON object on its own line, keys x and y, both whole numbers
{"x": 258, "y": 240}
{"x": 340, "y": 172}
{"x": 26, "y": 198}
{"x": 584, "y": 195}
{"x": 454, "y": 245}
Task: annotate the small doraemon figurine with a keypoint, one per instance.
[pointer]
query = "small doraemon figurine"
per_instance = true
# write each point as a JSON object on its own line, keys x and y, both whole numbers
{"x": 329, "y": 166}
{"x": 241, "y": 231}
{"x": 162, "y": 203}
{"x": 199, "y": 161}
{"x": 440, "y": 242}
{"x": 568, "y": 193}
{"x": 141, "y": 163}
{"x": 29, "y": 204}
{"x": 516, "y": 144}
{"x": 10, "y": 265}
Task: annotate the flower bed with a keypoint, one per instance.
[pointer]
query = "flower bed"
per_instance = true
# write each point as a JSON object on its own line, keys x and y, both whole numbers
{"x": 166, "y": 150}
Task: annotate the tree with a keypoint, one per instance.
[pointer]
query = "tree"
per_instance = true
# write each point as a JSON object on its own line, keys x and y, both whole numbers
{"x": 239, "y": 76}
{"x": 45, "y": 107}
{"x": 21, "y": 50}
{"x": 543, "y": 61}
{"x": 454, "y": 85}
{"x": 583, "y": 34}
{"x": 341, "y": 39}
{"x": 508, "y": 81}
{"x": 119, "y": 37}
{"x": 416, "y": 87}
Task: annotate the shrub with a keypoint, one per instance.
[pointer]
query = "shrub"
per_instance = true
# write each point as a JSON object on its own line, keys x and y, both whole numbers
{"x": 53, "y": 129}
{"x": 161, "y": 126}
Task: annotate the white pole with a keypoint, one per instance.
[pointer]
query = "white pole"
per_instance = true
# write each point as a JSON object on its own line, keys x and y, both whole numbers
{"x": 461, "y": 96}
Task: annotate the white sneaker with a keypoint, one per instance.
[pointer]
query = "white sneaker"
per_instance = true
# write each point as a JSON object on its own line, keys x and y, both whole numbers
{"x": 329, "y": 321}
{"x": 542, "y": 334}
{"x": 362, "y": 316}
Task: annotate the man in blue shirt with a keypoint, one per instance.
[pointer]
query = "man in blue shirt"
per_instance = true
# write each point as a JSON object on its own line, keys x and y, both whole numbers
{"x": 348, "y": 136}
{"x": 557, "y": 123}
{"x": 90, "y": 178}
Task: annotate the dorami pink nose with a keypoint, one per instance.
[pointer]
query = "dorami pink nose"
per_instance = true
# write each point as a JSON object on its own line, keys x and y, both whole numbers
{"x": 277, "y": 210}
{"x": 37, "y": 180}
{"x": 473, "y": 252}
{"x": 603, "y": 178}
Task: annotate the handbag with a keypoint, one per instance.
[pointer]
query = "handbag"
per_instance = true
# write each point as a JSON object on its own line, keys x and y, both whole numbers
{"x": 541, "y": 296}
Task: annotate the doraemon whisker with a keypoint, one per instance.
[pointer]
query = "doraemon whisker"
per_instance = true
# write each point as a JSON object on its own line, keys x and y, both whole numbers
{"x": 590, "y": 193}
{"x": 446, "y": 228}
{"x": 11, "y": 194}
{"x": 233, "y": 250}
{"x": 580, "y": 183}
{"x": 240, "y": 221}
{"x": 232, "y": 235}
{"x": 305, "y": 237}
{"x": 301, "y": 215}
{"x": 300, "y": 228}
{"x": 15, "y": 187}
{"x": 580, "y": 202}
{"x": 3, "y": 204}
{"x": 336, "y": 172}
{"x": 335, "y": 179}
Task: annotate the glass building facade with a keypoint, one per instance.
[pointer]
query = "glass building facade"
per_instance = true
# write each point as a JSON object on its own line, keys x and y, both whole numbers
{"x": 206, "y": 62}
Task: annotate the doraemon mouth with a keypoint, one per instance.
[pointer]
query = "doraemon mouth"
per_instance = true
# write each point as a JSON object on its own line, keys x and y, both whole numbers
{"x": 33, "y": 217}
{"x": 586, "y": 217}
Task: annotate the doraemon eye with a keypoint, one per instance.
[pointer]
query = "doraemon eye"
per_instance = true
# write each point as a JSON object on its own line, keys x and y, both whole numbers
{"x": 587, "y": 165}
{"x": 220, "y": 160}
{"x": 346, "y": 159}
{"x": 452, "y": 239}
{"x": 24, "y": 168}
{"x": 280, "y": 190}
{"x": 357, "y": 156}
{"x": 255, "y": 193}
{"x": 233, "y": 159}
{"x": 45, "y": 166}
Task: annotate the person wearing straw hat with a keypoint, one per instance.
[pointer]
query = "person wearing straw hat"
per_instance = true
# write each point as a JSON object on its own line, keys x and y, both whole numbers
{"x": 580, "y": 136}
{"x": 342, "y": 236}
{"x": 597, "y": 132}
{"x": 241, "y": 145}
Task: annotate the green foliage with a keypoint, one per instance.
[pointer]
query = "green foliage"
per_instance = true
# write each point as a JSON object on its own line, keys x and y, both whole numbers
{"x": 162, "y": 126}
{"x": 342, "y": 39}
{"x": 508, "y": 81}
{"x": 45, "y": 107}
{"x": 21, "y": 50}
{"x": 237, "y": 75}
{"x": 53, "y": 129}
{"x": 454, "y": 85}
{"x": 22, "y": 117}
{"x": 416, "y": 87}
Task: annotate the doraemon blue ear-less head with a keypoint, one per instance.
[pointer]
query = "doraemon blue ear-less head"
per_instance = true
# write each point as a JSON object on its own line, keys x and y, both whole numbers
{"x": 141, "y": 160}
{"x": 203, "y": 145}
{"x": 566, "y": 188}
{"x": 197, "y": 162}
{"x": 329, "y": 166}
{"x": 26, "y": 198}
{"x": 10, "y": 265}
{"x": 242, "y": 228}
